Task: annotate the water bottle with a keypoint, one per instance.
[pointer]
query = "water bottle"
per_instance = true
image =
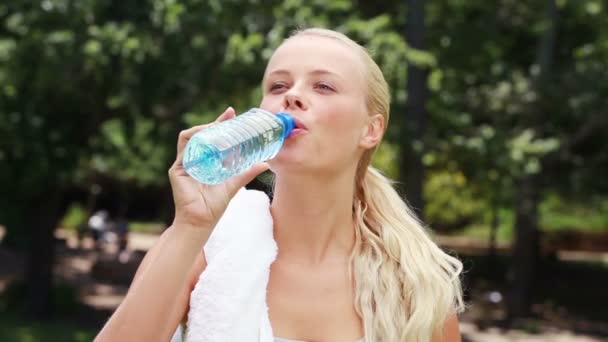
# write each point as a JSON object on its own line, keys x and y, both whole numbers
{"x": 232, "y": 146}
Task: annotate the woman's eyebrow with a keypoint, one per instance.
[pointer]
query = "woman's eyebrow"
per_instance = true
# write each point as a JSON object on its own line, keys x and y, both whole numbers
{"x": 313, "y": 72}
{"x": 279, "y": 72}
{"x": 323, "y": 72}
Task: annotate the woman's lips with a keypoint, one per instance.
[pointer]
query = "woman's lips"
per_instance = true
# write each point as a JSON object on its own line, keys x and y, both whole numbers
{"x": 298, "y": 123}
{"x": 297, "y": 131}
{"x": 298, "y": 128}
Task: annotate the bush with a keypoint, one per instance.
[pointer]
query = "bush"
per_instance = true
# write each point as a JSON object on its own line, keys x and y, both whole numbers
{"x": 450, "y": 203}
{"x": 75, "y": 216}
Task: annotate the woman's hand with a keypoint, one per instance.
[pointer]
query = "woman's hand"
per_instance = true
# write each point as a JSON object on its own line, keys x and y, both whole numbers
{"x": 201, "y": 205}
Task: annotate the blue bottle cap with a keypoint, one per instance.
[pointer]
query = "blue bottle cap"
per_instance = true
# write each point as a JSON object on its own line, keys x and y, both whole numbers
{"x": 288, "y": 122}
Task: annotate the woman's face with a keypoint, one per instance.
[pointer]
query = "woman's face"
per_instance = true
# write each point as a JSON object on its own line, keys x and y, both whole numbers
{"x": 320, "y": 81}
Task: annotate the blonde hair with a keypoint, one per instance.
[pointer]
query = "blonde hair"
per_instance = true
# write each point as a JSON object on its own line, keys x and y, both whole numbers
{"x": 405, "y": 285}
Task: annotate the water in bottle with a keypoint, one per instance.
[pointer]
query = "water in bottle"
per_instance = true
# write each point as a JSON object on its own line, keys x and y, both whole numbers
{"x": 232, "y": 146}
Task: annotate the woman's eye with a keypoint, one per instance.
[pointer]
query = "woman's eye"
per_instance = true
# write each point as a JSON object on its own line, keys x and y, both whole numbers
{"x": 276, "y": 86}
{"x": 324, "y": 87}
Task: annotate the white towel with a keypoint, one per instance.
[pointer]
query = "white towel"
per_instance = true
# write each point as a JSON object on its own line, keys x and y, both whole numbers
{"x": 228, "y": 302}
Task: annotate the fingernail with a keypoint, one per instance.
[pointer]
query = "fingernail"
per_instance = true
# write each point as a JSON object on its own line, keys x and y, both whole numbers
{"x": 230, "y": 108}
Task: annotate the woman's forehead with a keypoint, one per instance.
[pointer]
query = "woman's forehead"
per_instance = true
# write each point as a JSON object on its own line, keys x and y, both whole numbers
{"x": 309, "y": 53}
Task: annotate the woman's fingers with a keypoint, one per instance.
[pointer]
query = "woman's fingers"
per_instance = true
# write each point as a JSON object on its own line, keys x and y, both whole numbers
{"x": 229, "y": 113}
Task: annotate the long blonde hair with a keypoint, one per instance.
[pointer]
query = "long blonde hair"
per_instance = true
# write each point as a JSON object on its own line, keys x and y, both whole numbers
{"x": 405, "y": 285}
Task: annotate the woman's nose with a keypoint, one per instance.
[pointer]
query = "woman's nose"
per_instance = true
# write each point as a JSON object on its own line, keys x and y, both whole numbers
{"x": 294, "y": 101}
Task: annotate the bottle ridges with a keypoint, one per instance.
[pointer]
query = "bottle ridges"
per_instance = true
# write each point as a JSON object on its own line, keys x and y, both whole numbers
{"x": 228, "y": 148}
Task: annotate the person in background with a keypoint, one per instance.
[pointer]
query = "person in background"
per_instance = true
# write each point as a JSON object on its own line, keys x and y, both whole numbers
{"x": 98, "y": 226}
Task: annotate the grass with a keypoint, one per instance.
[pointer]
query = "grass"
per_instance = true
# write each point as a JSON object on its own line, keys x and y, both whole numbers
{"x": 481, "y": 230}
{"x": 146, "y": 227}
{"x": 15, "y": 329}
{"x": 554, "y": 216}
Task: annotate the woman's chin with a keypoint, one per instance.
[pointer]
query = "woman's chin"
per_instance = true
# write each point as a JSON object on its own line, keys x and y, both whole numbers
{"x": 287, "y": 160}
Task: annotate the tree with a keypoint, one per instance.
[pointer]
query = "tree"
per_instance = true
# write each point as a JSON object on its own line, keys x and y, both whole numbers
{"x": 527, "y": 242}
{"x": 412, "y": 169}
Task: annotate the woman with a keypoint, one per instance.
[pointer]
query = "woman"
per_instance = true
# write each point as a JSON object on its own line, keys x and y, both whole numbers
{"x": 364, "y": 266}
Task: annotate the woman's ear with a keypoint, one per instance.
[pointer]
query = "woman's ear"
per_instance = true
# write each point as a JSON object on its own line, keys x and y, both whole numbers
{"x": 373, "y": 131}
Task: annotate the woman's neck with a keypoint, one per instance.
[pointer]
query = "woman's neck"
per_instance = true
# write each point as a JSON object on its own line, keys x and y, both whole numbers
{"x": 313, "y": 220}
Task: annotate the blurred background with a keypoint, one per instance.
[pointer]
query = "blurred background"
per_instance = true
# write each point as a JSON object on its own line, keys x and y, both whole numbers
{"x": 497, "y": 138}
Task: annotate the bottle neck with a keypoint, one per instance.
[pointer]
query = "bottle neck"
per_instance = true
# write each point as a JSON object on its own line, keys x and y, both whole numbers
{"x": 288, "y": 123}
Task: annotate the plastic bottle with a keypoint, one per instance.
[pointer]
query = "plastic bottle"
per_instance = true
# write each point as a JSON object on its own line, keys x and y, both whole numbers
{"x": 232, "y": 146}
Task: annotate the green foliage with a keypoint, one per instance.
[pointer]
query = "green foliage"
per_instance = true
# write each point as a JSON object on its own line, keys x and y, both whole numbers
{"x": 481, "y": 230}
{"x": 384, "y": 159}
{"x": 74, "y": 217}
{"x": 127, "y": 151}
{"x": 146, "y": 227}
{"x": 526, "y": 152}
{"x": 450, "y": 199}
{"x": 557, "y": 214}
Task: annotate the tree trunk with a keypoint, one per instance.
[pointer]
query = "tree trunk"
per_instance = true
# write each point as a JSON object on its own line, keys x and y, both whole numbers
{"x": 525, "y": 255}
{"x": 525, "y": 250}
{"x": 45, "y": 213}
{"x": 492, "y": 253}
{"x": 411, "y": 168}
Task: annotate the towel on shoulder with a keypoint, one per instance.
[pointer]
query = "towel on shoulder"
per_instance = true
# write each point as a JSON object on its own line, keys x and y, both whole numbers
{"x": 228, "y": 302}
